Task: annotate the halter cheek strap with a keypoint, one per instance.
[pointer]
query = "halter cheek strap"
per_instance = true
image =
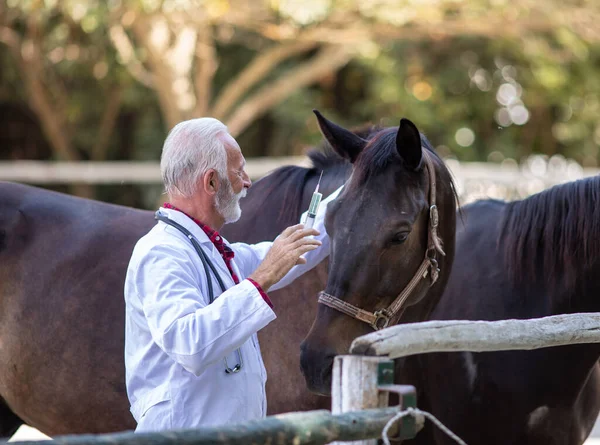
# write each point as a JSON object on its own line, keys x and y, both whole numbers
{"x": 429, "y": 267}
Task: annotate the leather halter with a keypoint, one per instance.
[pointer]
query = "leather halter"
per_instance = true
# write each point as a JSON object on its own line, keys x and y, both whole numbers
{"x": 429, "y": 266}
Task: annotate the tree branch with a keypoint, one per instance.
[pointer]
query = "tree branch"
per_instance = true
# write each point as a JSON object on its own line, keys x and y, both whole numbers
{"x": 327, "y": 61}
{"x": 107, "y": 125}
{"x": 50, "y": 118}
{"x": 206, "y": 66}
{"x": 486, "y": 25}
{"x": 125, "y": 48}
{"x": 255, "y": 72}
{"x": 28, "y": 60}
{"x": 12, "y": 40}
{"x": 56, "y": 89}
{"x": 162, "y": 75}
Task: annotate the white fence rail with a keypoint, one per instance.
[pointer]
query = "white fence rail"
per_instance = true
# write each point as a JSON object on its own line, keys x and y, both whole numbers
{"x": 117, "y": 172}
{"x": 507, "y": 180}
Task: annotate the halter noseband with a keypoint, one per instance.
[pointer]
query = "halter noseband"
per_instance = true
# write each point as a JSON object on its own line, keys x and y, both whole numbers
{"x": 429, "y": 266}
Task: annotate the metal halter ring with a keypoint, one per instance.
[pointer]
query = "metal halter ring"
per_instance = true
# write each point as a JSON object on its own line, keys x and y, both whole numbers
{"x": 380, "y": 315}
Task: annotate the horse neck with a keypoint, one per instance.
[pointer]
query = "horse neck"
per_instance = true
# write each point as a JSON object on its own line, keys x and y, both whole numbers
{"x": 551, "y": 246}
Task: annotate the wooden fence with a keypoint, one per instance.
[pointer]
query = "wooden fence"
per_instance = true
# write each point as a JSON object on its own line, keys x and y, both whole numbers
{"x": 117, "y": 172}
{"x": 148, "y": 172}
{"x": 479, "y": 336}
{"x": 302, "y": 428}
{"x": 447, "y": 336}
{"x": 362, "y": 383}
{"x": 474, "y": 180}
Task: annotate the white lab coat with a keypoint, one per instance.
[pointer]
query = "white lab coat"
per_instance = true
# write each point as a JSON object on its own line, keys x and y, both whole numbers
{"x": 175, "y": 342}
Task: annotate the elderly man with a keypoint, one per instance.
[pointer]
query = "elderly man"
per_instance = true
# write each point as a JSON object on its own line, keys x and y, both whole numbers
{"x": 194, "y": 302}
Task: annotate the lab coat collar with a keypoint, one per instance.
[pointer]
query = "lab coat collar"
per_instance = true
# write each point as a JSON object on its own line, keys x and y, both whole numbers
{"x": 204, "y": 240}
{"x": 188, "y": 223}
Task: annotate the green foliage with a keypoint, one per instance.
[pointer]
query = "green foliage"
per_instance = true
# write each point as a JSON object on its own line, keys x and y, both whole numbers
{"x": 453, "y": 84}
{"x": 478, "y": 94}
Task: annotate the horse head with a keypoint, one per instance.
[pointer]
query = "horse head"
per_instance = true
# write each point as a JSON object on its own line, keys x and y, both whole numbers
{"x": 392, "y": 232}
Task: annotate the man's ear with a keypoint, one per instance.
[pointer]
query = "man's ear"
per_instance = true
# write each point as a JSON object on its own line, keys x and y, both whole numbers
{"x": 210, "y": 182}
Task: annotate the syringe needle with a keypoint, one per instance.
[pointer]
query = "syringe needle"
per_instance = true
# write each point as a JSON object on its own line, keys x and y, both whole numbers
{"x": 319, "y": 183}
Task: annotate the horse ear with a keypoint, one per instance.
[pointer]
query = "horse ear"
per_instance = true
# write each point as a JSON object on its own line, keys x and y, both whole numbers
{"x": 408, "y": 144}
{"x": 344, "y": 142}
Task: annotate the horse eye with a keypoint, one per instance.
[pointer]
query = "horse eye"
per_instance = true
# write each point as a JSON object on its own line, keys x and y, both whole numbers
{"x": 399, "y": 237}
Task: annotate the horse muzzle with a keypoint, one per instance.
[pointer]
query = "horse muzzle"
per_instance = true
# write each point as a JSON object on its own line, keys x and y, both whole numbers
{"x": 317, "y": 369}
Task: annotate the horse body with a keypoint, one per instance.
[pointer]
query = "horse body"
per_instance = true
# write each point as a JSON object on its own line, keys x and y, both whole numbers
{"x": 63, "y": 263}
{"x": 62, "y": 268}
{"x": 527, "y": 259}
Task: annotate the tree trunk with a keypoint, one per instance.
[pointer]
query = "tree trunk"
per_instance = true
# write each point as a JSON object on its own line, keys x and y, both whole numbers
{"x": 329, "y": 59}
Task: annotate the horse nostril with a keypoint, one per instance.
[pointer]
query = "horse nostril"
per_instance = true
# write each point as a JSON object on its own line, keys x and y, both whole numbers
{"x": 316, "y": 366}
{"x": 303, "y": 347}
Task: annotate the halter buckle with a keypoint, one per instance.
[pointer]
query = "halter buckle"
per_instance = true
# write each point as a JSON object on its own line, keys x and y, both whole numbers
{"x": 434, "y": 216}
{"x": 382, "y": 319}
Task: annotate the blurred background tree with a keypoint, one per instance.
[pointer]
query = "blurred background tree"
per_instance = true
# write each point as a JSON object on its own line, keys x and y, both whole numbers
{"x": 486, "y": 80}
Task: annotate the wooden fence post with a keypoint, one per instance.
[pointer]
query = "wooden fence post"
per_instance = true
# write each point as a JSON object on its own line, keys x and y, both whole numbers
{"x": 354, "y": 386}
{"x": 360, "y": 382}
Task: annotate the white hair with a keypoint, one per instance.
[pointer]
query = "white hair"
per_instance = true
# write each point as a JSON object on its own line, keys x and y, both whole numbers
{"x": 190, "y": 150}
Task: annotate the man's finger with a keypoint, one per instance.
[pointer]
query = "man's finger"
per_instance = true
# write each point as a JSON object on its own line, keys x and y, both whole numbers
{"x": 303, "y": 234}
{"x": 306, "y": 242}
{"x": 301, "y": 260}
{"x": 301, "y": 250}
{"x": 291, "y": 229}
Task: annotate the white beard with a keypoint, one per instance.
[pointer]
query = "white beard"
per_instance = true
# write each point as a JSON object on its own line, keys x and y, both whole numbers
{"x": 228, "y": 203}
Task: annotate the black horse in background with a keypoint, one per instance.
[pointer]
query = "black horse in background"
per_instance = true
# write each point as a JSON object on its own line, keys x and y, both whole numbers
{"x": 524, "y": 259}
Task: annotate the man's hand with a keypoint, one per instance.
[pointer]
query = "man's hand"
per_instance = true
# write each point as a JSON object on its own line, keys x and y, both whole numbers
{"x": 285, "y": 253}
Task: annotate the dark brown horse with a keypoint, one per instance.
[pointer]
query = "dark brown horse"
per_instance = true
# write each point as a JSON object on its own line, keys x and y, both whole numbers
{"x": 387, "y": 263}
{"x": 62, "y": 269}
{"x": 523, "y": 259}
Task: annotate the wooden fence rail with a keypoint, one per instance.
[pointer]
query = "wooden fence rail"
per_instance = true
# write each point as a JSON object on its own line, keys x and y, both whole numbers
{"x": 350, "y": 371}
{"x": 478, "y": 336}
{"x": 302, "y": 428}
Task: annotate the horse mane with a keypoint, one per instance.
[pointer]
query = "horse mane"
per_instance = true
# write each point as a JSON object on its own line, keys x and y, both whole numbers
{"x": 552, "y": 236}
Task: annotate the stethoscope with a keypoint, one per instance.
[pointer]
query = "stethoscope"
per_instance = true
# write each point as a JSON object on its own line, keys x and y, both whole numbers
{"x": 207, "y": 263}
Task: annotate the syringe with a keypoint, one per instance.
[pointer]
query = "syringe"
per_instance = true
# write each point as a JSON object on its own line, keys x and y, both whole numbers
{"x": 314, "y": 206}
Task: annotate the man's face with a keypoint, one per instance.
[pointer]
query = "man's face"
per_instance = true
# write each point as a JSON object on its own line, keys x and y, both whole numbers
{"x": 235, "y": 168}
{"x": 235, "y": 186}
